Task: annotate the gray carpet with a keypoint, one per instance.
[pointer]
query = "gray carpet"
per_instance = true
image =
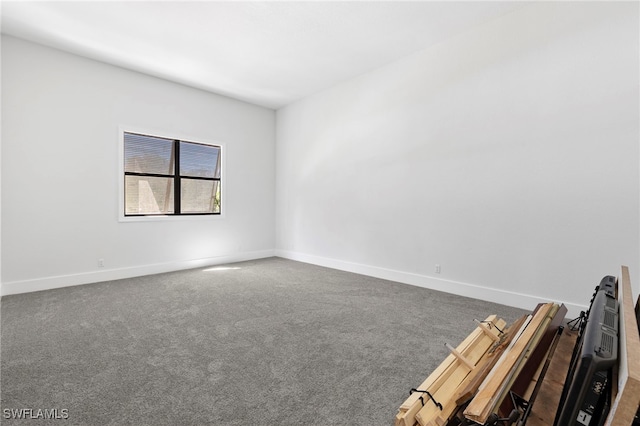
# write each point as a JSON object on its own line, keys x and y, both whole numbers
{"x": 266, "y": 342}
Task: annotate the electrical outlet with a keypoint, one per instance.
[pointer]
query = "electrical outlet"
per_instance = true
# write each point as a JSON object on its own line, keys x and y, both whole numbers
{"x": 100, "y": 263}
{"x": 437, "y": 268}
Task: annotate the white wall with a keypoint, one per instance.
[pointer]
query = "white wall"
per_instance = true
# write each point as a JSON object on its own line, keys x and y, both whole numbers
{"x": 1, "y": 125}
{"x": 508, "y": 155}
{"x": 60, "y": 118}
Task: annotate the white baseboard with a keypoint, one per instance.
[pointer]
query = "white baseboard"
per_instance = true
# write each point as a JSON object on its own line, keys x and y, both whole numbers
{"x": 48, "y": 283}
{"x": 518, "y": 300}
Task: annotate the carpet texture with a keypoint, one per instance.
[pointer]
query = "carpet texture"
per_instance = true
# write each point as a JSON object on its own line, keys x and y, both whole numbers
{"x": 265, "y": 342}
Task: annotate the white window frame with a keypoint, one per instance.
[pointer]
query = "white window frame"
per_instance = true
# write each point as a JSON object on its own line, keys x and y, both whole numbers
{"x": 122, "y": 129}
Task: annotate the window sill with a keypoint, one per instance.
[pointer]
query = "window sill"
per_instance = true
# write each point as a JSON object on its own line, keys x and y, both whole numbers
{"x": 180, "y": 218}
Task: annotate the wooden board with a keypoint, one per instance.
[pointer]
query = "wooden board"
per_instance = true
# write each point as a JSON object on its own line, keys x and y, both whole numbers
{"x": 412, "y": 405}
{"x": 543, "y": 411}
{"x": 536, "y": 361}
{"x": 625, "y": 405}
{"x": 463, "y": 395}
{"x": 483, "y": 403}
{"x": 469, "y": 340}
{"x": 517, "y": 370}
{"x": 428, "y": 414}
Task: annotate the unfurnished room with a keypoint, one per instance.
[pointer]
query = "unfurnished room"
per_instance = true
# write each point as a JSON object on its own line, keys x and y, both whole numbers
{"x": 320, "y": 213}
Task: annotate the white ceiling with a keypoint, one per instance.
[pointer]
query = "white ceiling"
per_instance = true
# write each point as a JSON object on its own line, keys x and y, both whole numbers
{"x": 267, "y": 53}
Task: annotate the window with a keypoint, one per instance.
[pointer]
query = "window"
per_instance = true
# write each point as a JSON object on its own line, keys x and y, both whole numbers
{"x": 170, "y": 177}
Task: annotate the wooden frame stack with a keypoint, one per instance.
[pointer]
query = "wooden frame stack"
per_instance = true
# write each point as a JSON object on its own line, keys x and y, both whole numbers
{"x": 495, "y": 388}
{"x": 482, "y": 371}
{"x": 449, "y": 377}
